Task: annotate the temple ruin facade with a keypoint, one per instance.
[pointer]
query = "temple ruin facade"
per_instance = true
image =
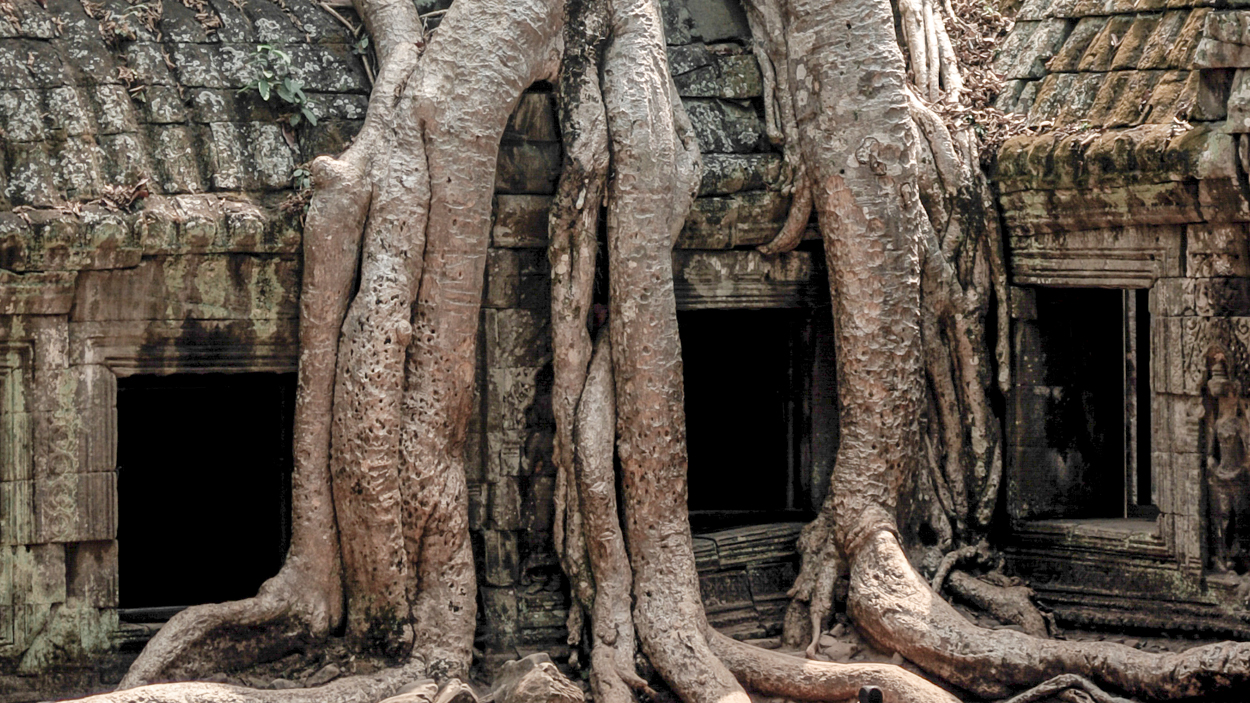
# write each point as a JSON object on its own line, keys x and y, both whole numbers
{"x": 150, "y": 261}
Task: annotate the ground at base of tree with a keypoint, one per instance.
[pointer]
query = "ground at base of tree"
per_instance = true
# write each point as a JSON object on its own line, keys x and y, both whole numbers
{"x": 841, "y": 643}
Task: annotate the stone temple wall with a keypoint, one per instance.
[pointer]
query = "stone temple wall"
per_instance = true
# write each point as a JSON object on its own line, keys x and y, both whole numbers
{"x": 143, "y": 231}
{"x": 1133, "y": 182}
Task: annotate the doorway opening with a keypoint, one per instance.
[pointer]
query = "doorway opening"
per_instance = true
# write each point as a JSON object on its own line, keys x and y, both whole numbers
{"x": 204, "y": 485}
{"x": 746, "y": 418}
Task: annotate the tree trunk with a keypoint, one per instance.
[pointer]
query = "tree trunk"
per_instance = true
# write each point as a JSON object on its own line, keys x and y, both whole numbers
{"x": 403, "y": 216}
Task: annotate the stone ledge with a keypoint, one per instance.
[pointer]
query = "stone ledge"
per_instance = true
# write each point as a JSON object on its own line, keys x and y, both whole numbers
{"x": 1147, "y": 154}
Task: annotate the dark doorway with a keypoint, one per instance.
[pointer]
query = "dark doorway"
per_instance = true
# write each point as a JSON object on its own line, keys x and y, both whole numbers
{"x": 204, "y": 484}
{"x": 744, "y": 415}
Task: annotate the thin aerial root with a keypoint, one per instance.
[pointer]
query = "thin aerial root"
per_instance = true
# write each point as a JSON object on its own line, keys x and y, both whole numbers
{"x": 953, "y": 558}
{"x": 821, "y": 603}
{"x": 796, "y": 220}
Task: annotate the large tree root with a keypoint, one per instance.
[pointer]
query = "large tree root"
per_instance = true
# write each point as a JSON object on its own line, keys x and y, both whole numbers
{"x": 352, "y": 689}
{"x": 776, "y": 674}
{"x": 1066, "y": 684}
{"x": 897, "y": 611}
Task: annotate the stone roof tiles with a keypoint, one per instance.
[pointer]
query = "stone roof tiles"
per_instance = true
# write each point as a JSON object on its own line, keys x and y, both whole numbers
{"x": 1136, "y": 107}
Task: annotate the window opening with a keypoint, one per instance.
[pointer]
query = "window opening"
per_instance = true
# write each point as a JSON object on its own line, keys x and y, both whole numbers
{"x": 1083, "y": 412}
{"x": 204, "y": 471}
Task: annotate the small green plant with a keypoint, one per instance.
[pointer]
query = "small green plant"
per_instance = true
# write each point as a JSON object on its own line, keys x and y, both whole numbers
{"x": 301, "y": 178}
{"x": 273, "y": 79}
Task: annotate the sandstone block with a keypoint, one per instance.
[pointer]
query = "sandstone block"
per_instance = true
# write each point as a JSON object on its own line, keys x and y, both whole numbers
{"x": 21, "y": 111}
{"x": 91, "y": 570}
{"x": 44, "y": 293}
{"x": 503, "y": 456}
{"x": 725, "y": 174}
{"x": 534, "y": 119}
{"x": 97, "y": 507}
{"x": 478, "y": 497}
{"x": 29, "y": 177}
{"x": 1068, "y": 58}
{"x": 173, "y": 152}
{"x": 517, "y": 338}
{"x": 528, "y": 167}
{"x": 500, "y": 557}
{"x": 499, "y": 607}
{"x": 718, "y": 21}
{"x": 520, "y": 221}
{"x": 505, "y": 505}
{"x": 17, "y": 521}
{"x": 725, "y": 127}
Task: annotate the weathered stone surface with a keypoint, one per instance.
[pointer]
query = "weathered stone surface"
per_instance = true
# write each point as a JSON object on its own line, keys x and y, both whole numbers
{"x": 1102, "y": 49}
{"x": 517, "y": 278}
{"x": 528, "y": 167}
{"x": 516, "y": 338}
{"x": 1239, "y": 103}
{"x": 725, "y": 174}
{"x": 745, "y": 279}
{"x": 720, "y": 71}
{"x": 1038, "y": 44}
{"x": 36, "y": 293}
{"x": 744, "y": 219}
{"x": 500, "y": 558}
{"x": 1120, "y": 258}
{"x": 1189, "y": 297}
{"x": 199, "y": 287}
{"x": 1068, "y": 58}
{"x": 718, "y": 21}
{"x": 1133, "y": 43}
{"x": 678, "y": 25}
{"x": 725, "y": 127}
{"x": 1140, "y": 155}
{"x": 499, "y": 606}
{"x": 75, "y": 631}
{"x": 91, "y": 573}
{"x": 17, "y": 523}
{"x": 520, "y": 221}
{"x": 534, "y": 679}
{"x": 1156, "y": 52}
{"x": 534, "y": 119}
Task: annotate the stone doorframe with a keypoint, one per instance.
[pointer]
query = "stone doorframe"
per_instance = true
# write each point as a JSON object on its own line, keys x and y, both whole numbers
{"x": 58, "y": 462}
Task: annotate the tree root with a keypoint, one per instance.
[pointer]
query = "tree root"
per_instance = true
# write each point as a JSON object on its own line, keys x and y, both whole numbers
{"x": 222, "y": 636}
{"x": 897, "y": 611}
{"x": 367, "y": 688}
{"x": 777, "y": 674}
{"x": 1062, "y": 683}
{"x": 1013, "y": 604}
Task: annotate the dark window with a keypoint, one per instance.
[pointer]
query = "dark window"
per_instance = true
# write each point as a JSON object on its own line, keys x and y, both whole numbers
{"x": 745, "y": 384}
{"x": 1083, "y": 406}
{"x": 204, "y": 466}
